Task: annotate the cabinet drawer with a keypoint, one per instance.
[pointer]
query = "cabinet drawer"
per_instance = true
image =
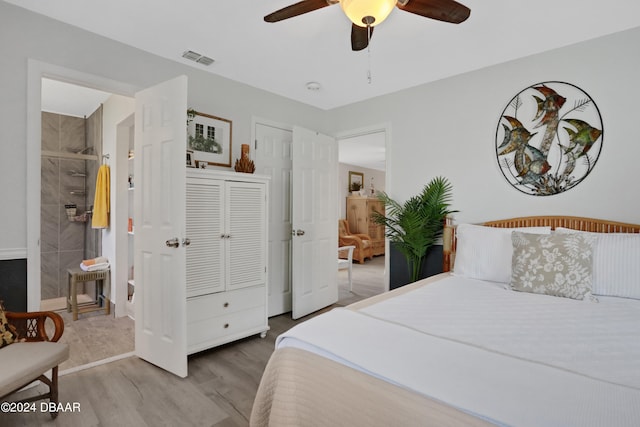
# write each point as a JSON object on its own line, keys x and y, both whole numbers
{"x": 222, "y": 303}
{"x": 216, "y": 330}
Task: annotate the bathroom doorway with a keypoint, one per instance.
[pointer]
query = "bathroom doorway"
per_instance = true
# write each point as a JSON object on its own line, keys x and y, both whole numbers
{"x": 82, "y": 129}
{"x": 70, "y": 158}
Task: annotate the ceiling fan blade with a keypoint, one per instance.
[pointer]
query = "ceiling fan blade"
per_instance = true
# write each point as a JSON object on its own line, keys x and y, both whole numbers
{"x": 360, "y": 36}
{"x": 441, "y": 10}
{"x": 296, "y": 9}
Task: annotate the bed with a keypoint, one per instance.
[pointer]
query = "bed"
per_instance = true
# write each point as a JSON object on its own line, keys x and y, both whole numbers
{"x": 534, "y": 322}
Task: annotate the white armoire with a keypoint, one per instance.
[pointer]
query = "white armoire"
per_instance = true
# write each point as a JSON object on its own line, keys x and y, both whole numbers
{"x": 226, "y": 228}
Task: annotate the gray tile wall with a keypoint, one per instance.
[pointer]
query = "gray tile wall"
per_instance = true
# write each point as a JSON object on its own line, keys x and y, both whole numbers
{"x": 64, "y": 243}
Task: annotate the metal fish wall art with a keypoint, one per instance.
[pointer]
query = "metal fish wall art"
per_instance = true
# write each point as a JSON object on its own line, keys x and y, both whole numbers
{"x": 548, "y": 138}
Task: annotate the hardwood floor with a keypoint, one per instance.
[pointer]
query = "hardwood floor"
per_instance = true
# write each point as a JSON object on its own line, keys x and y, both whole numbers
{"x": 219, "y": 390}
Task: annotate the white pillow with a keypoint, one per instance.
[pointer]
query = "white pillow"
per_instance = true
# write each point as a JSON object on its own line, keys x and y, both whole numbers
{"x": 485, "y": 253}
{"x": 616, "y": 263}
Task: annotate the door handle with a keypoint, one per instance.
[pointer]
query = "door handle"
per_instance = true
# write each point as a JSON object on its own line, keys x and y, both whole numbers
{"x": 173, "y": 243}
{"x": 186, "y": 241}
{"x": 299, "y": 232}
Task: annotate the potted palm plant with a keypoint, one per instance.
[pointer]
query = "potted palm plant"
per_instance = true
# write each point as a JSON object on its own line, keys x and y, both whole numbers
{"x": 416, "y": 225}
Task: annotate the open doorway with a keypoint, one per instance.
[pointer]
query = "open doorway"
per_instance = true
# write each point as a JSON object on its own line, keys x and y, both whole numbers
{"x": 71, "y": 123}
{"x": 174, "y": 93}
{"x": 362, "y": 156}
{"x": 83, "y": 129}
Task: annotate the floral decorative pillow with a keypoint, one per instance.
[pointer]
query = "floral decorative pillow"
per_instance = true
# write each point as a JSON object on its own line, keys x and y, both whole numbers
{"x": 554, "y": 264}
{"x": 7, "y": 333}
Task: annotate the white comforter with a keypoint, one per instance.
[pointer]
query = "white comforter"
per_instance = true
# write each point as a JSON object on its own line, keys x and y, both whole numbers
{"x": 509, "y": 357}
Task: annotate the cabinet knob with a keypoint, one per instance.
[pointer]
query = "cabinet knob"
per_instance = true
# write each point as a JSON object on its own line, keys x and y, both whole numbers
{"x": 225, "y": 305}
{"x": 226, "y": 325}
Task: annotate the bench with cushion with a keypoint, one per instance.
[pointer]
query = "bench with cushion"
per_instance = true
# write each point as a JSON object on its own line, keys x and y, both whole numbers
{"x": 27, "y": 353}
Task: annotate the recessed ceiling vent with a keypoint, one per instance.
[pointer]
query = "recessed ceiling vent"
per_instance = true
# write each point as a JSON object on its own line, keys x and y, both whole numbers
{"x": 196, "y": 57}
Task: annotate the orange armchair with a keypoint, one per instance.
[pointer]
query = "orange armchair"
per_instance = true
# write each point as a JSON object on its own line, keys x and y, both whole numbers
{"x": 362, "y": 242}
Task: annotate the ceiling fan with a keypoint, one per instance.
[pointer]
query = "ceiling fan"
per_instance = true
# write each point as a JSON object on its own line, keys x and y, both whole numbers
{"x": 366, "y": 14}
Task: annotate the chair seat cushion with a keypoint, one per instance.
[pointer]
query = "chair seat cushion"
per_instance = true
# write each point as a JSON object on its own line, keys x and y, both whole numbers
{"x": 23, "y": 362}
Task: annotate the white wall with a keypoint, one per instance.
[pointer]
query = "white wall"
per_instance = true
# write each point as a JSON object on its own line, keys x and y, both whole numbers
{"x": 448, "y": 128}
{"x": 443, "y": 128}
{"x": 343, "y": 183}
{"x": 52, "y": 42}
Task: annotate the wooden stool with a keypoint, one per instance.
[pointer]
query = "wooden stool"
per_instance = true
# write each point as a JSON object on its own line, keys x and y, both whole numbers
{"x": 101, "y": 302}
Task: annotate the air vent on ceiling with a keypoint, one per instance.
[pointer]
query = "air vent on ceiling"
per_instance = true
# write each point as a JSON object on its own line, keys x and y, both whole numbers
{"x": 196, "y": 57}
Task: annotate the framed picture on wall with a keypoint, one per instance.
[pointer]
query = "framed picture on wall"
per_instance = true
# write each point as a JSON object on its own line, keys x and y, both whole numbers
{"x": 356, "y": 181}
{"x": 210, "y": 138}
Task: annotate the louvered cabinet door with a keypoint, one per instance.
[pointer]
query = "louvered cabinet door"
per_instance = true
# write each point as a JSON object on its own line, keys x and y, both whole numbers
{"x": 245, "y": 210}
{"x": 205, "y": 230}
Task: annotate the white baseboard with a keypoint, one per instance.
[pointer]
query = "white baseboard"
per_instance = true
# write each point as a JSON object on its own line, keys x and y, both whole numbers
{"x": 97, "y": 363}
{"x": 13, "y": 253}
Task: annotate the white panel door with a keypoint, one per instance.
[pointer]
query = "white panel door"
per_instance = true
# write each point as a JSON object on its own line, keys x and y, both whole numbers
{"x": 315, "y": 221}
{"x": 273, "y": 158}
{"x": 159, "y": 218}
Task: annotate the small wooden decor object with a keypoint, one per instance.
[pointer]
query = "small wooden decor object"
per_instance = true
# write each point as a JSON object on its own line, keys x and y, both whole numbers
{"x": 244, "y": 164}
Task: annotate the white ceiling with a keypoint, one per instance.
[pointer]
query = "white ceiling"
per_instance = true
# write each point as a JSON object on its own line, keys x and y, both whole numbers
{"x": 406, "y": 50}
{"x": 367, "y": 151}
{"x": 71, "y": 100}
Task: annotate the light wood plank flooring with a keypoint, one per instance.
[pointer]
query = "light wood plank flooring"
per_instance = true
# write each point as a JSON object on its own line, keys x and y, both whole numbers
{"x": 219, "y": 390}
{"x": 368, "y": 280}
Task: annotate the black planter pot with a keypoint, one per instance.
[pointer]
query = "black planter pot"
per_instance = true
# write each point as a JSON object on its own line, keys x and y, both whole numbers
{"x": 399, "y": 271}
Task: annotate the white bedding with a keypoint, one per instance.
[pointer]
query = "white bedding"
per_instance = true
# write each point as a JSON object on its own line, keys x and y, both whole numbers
{"x": 512, "y": 358}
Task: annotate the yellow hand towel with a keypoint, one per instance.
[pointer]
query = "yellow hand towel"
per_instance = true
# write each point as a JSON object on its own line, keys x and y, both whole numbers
{"x": 101, "y": 203}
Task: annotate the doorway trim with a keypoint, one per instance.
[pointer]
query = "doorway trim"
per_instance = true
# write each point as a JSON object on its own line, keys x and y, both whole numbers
{"x": 36, "y": 70}
{"x": 366, "y": 130}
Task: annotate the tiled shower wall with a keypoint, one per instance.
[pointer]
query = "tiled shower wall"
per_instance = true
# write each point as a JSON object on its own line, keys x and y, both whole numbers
{"x": 64, "y": 243}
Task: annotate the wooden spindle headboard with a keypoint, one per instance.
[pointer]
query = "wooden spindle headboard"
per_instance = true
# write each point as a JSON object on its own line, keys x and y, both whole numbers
{"x": 573, "y": 222}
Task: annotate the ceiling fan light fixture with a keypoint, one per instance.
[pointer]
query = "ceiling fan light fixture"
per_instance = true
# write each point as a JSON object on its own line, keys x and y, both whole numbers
{"x": 367, "y": 12}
